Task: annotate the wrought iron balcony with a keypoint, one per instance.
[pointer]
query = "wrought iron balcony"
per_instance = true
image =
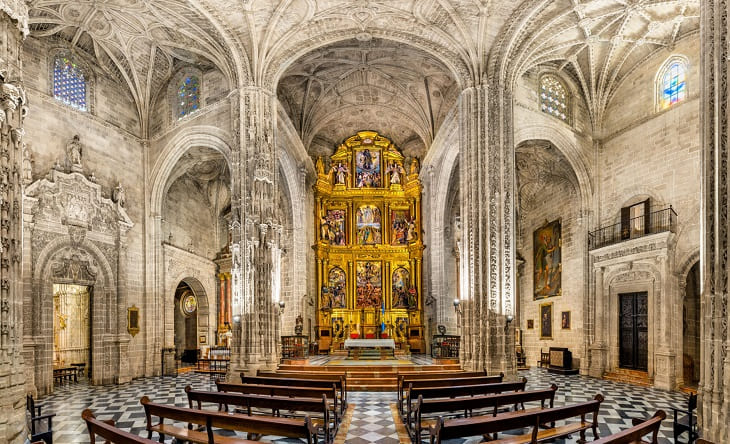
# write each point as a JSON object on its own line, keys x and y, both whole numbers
{"x": 656, "y": 222}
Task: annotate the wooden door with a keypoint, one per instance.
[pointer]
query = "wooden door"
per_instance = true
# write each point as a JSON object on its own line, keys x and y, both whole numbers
{"x": 633, "y": 331}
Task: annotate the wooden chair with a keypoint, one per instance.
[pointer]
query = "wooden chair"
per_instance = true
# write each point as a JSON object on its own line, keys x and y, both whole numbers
{"x": 544, "y": 359}
{"x": 37, "y": 430}
{"x": 685, "y": 421}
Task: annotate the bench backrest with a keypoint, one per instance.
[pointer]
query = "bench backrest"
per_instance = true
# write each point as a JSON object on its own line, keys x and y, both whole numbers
{"x": 197, "y": 397}
{"x": 436, "y": 375}
{"x": 482, "y": 425}
{"x": 106, "y": 430}
{"x": 265, "y": 425}
{"x": 328, "y": 376}
{"x": 637, "y": 432}
{"x": 465, "y": 390}
{"x": 545, "y": 396}
{"x": 281, "y": 380}
{"x": 452, "y": 382}
{"x": 278, "y": 390}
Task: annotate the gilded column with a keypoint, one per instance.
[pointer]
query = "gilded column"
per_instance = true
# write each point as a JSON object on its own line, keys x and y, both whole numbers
{"x": 13, "y": 109}
{"x": 714, "y": 388}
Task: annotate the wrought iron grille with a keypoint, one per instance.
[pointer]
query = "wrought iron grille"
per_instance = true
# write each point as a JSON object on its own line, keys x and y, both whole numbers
{"x": 656, "y": 222}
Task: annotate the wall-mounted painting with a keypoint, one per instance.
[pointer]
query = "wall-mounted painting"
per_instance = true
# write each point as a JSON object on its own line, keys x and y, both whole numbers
{"x": 367, "y": 169}
{"x": 547, "y": 261}
{"x": 368, "y": 225}
{"x": 332, "y": 227}
{"x": 530, "y": 324}
{"x": 369, "y": 285}
{"x": 546, "y": 320}
{"x": 565, "y": 320}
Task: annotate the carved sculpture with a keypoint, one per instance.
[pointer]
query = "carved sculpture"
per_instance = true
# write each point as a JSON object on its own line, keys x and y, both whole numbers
{"x": 73, "y": 154}
{"x": 119, "y": 195}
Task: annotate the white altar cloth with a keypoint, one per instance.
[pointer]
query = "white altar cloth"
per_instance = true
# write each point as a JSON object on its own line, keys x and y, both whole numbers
{"x": 362, "y": 343}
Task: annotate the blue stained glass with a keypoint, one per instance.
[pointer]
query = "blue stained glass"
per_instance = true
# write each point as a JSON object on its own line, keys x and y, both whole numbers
{"x": 674, "y": 86}
{"x": 188, "y": 98}
{"x": 69, "y": 83}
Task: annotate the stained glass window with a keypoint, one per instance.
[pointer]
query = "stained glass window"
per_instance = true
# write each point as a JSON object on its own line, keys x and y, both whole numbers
{"x": 69, "y": 83}
{"x": 554, "y": 98}
{"x": 188, "y": 96}
{"x": 673, "y": 86}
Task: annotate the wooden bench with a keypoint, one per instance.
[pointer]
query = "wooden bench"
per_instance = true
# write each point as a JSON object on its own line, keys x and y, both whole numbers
{"x": 273, "y": 404}
{"x": 257, "y": 425}
{"x": 412, "y": 394}
{"x": 337, "y": 380}
{"x": 404, "y": 377}
{"x": 37, "y": 431}
{"x": 106, "y": 430}
{"x": 288, "y": 391}
{"x": 422, "y": 417}
{"x": 67, "y": 373}
{"x": 636, "y": 433}
{"x": 487, "y": 425}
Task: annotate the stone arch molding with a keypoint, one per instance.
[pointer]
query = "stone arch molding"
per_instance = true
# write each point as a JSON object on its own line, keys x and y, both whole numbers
{"x": 76, "y": 235}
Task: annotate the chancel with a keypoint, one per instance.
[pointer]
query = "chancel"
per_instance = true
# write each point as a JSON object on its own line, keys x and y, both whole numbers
{"x": 282, "y": 206}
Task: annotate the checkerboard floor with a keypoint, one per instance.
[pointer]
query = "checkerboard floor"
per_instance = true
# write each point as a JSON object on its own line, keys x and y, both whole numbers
{"x": 372, "y": 420}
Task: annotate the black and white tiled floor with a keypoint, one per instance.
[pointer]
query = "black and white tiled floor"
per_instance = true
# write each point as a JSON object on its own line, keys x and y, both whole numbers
{"x": 372, "y": 420}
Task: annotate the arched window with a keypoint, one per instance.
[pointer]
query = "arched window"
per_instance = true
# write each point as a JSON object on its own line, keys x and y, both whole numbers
{"x": 188, "y": 96}
{"x": 554, "y": 98}
{"x": 671, "y": 83}
{"x": 69, "y": 83}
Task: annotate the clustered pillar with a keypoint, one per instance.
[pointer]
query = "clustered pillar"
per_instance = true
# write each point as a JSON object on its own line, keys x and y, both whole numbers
{"x": 13, "y": 28}
{"x": 714, "y": 389}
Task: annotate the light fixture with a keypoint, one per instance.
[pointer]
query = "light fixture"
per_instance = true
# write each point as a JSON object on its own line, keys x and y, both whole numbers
{"x": 510, "y": 318}
{"x": 237, "y": 319}
{"x": 457, "y": 306}
{"x": 282, "y": 304}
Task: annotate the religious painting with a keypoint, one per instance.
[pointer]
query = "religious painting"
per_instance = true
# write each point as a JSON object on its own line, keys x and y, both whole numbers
{"x": 404, "y": 295}
{"x": 367, "y": 169}
{"x": 368, "y": 225}
{"x": 530, "y": 324}
{"x": 188, "y": 304}
{"x": 399, "y": 220}
{"x": 133, "y": 320}
{"x": 332, "y": 227}
{"x": 369, "y": 286}
{"x": 565, "y": 320}
{"x": 548, "y": 266}
{"x": 337, "y": 284}
{"x": 546, "y": 320}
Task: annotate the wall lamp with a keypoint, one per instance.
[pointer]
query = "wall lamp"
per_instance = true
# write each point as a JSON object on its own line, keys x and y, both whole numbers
{"x": 457, "y": 306}
{"x": 282, "y": 304}
{"x": 237, "y": 319}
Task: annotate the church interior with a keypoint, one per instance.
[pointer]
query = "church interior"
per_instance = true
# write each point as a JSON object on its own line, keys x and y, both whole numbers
{"x": 510, "y": 201}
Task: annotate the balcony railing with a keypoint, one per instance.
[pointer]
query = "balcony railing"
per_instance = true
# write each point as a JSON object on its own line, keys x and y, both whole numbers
{"x": 656, "y": 222}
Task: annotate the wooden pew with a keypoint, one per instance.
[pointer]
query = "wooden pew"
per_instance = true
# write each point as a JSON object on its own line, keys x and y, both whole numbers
{"x": 280, "y": 390}
{"x": 275, "y": 404}
{"x": 486, "y": 425}
{"x": 412, "y": 394}
{"x": 636, "y": 433}
{"x": 106, "y": 430}
{"x": 259, "y": 425}
{"x": 445, "y": 382}
{"x": 423, "y": 409}
{"x": 337, "y": 380}
{"x": 412, "y": 376}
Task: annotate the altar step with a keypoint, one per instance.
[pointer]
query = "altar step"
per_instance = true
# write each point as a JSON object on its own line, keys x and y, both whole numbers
{"x": 629, "y": 376}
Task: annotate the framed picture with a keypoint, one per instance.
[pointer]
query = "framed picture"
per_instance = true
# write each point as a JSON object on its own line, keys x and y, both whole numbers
{"x": 133, "y": 320}
{"x": 547, "y": 246}
{"x": 546, "y": 320}
{"x": 565, "y": 320}
{"x": 530, "y": 324}
{"x": 202, "y": 339}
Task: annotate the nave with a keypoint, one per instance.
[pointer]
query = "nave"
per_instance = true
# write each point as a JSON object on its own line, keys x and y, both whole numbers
{"x": 374, "y": 414}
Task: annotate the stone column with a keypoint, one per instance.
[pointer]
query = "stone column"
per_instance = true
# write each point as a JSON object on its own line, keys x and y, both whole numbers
{"x": 487, "y": 184}
{"x": 255, "y": 231}
{"x": 599, "y": 347}
{"x": 714, "y": 388}
{"x": 13, "y": 28}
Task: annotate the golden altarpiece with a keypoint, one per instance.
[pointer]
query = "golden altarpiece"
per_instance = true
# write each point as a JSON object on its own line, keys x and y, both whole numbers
{"x": 369, "y": 249}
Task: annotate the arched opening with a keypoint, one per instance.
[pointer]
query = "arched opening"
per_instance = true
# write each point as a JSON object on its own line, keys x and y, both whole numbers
{"x": 186, "y": 324}
{"x": 72, "y": 326}
{"x": 691, "y": 328}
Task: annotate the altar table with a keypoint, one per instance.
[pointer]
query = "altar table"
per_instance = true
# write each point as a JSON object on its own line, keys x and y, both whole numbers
{"x": 384, "y": 347}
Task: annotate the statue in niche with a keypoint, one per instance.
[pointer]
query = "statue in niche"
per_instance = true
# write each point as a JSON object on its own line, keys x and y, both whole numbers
{"x": 340, "y": 172}
{"x": 299, "y": 327}
{"x": 119, "y": 195}
{"x": 414, "y": 166}
{"x": 27, "y": 166}
{"x": 396, "y": 172}
{"x": 73, "y": 153}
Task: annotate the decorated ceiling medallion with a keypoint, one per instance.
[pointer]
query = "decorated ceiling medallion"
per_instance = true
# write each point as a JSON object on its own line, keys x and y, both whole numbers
{"x": 189, "y": 304}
